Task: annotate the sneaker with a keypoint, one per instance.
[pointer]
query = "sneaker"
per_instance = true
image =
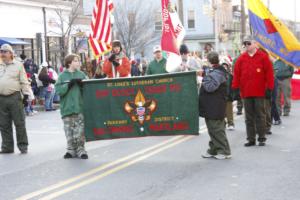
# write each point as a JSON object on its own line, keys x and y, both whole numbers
{"x": 222, "y": 156}
{"x": 207, "y": 155}
{"x": 239, "y": 112}
{"x": 261, "y": 144}
{"x": 68, "y": 155}
{"x": 30, "y": 114}
{"x": 286, "y": 114}
{"x": 5, "y": 152}
{"x": 277, "y": 122}
{"x": 249, "y": 144}
{"x": 84, "y": 156}
{"x": 230, "y": 128}
{"x": 34, "y": 112}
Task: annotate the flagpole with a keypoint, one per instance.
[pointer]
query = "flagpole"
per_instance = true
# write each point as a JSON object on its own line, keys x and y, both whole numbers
{"x": 295, "y": 17}
{"x": 243, "y": 20}
{"x": 216, "y": 25}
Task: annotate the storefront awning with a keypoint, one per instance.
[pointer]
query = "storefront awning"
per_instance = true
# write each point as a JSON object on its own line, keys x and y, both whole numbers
{"x": 12, "y": 41}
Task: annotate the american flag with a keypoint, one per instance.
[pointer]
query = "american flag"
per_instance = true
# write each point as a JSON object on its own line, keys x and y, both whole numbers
{"x": 100, "y": 37}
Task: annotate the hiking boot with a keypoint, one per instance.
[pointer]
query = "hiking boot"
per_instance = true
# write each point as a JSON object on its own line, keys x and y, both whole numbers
{"x": 68, "y": 155}
{"x": 84, "y": 156}
{"x": 222, "y": 156}
{"x": 249, "y": 144}
{"x": 24, "y": 151}
{"x": 261, "y": 144}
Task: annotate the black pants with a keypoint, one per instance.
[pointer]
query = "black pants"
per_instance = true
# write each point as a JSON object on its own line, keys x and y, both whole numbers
{"x": 255, "y": 118}
{"x": 12, "y": 111}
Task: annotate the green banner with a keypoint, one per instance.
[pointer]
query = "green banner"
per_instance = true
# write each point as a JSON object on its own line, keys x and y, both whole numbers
{"x": 141, "y": 106}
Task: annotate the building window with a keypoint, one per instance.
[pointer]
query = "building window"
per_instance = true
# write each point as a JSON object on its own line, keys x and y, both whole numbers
{"x": 158, "y": 21}
{"x": 191, "y": 19}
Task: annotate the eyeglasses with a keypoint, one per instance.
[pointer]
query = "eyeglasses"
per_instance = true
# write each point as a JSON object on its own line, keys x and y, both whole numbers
{"x": 247, "y": 43}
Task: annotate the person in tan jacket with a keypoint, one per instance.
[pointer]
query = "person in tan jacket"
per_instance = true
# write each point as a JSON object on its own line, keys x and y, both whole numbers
{"x": 14, "y": 89}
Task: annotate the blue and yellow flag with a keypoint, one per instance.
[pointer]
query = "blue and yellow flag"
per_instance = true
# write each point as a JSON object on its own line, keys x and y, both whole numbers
{"x": 272, "y": 34}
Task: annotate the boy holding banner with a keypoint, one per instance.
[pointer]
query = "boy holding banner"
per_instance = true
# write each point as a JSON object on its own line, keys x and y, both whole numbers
{"x": 212, "y": 106}
{"x": 69, "y": 87}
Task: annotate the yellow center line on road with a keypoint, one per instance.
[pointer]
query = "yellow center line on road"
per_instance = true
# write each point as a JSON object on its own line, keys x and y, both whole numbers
{"x": 100, "y": 168}
{"x": 113, "y": 170}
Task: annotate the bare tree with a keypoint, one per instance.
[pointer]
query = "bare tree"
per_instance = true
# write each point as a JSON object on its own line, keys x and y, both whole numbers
{"x": 134, "y": 24}
{"x": 66, "y": 20}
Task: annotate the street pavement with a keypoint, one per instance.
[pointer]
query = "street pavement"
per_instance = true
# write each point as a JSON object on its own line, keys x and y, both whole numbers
{"x": 154, "y": 168}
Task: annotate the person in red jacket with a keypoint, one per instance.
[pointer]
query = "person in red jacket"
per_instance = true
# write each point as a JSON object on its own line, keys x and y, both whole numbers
{"x": 254, "y": 78}
{"x": 117, "y": 65}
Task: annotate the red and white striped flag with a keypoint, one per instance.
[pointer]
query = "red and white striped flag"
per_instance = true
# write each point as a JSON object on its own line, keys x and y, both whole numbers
{"x": 101, "y": 30}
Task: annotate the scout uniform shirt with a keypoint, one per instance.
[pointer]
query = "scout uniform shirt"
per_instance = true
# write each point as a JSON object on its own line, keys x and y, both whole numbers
{"x": 13, "y": 78}
{"x": 157, "y": 67}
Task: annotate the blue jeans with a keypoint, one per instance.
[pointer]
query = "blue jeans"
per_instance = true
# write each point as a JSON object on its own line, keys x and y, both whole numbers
{"x": 274, "y": 110}
{"x": 48, "y": 95}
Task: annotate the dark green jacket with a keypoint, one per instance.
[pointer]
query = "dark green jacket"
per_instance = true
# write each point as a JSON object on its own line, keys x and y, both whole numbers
{"x": 157, "y": 67}
{"x": 282, "y": 70}
{"x": 70, "y": 99}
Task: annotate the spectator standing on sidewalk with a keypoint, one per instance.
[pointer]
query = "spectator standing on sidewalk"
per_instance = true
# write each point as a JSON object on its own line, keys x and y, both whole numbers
{"x": 284, "y": 74}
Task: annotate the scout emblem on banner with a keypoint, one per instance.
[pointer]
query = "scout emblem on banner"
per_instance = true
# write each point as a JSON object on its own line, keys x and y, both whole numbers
{"x": 157, "y": 105}
{"x": 272, "y": 34}
{"x": 140, "y": 109}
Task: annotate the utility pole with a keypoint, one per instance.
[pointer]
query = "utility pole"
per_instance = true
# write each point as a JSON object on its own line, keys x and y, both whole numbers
{"x": 180, "y": 10}
{"x": 243, "y": 20}
{"x": 44, "y": 44}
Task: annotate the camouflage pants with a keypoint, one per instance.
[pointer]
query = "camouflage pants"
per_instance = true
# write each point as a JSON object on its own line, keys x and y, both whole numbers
{"x": 74, "y": 130}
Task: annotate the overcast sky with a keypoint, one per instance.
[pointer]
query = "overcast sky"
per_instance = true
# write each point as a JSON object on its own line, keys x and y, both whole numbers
{"x": 283, "y": 9}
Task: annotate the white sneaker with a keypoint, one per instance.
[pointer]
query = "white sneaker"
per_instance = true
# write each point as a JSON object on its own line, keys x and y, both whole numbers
{"x": 207, "y": 155}
{"x": 230, "y": 128}
{"x": 222, "y": 156}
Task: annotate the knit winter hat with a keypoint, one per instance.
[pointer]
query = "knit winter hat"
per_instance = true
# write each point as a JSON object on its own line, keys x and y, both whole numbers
{"x": 183, "y": 49}
{"x": 117, "y": 43}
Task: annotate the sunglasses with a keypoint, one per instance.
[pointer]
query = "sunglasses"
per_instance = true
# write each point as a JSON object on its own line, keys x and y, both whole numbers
{"x": 247, "y": 43}
{"x": 4, "y": 51}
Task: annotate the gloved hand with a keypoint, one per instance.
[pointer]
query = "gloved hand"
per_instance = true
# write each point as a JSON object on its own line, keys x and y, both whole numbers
{"x": 72, "y": 83}
{"x": 112, "y": 57}
{"x": 236, "y": 94}
{"x": 115, "y": 63}
{"x": 79, "y": 82}
{"x": 25, "y": 98}
{"x": 268, "y": 94}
